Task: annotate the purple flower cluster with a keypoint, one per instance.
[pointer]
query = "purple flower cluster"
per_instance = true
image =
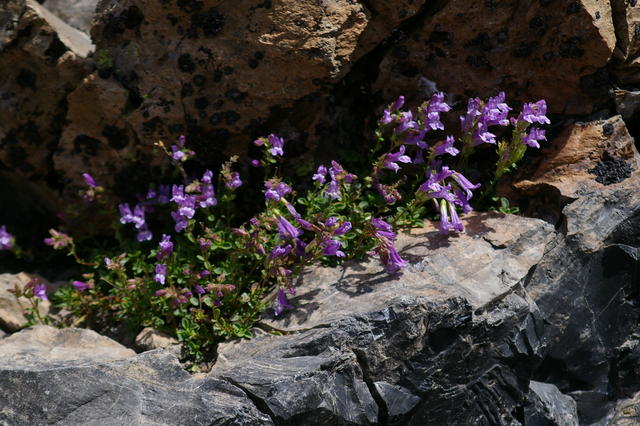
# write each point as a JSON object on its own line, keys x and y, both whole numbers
{"x": 337, "y": 174}
{"x": 385, "y": 236}
{"x": 179, "y": 152}
{"x": 276, "y": 190}
{"x": 273, "y": 143}
{"x": 137, "y": 218}
{"x": 6, "y": 239}
{"x": 480, "y": 116}
{"x": 201, "y": 195}
{"x": 58, "y": 239}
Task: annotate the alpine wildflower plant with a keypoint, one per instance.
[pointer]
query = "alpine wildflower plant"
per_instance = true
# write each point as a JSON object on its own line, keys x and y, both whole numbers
{"x": 210, "y": 275}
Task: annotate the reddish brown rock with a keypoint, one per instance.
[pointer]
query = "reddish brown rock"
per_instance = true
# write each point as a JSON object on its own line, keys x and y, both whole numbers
{"x": 41, "y": 59}
{"x": 530, "y": 50}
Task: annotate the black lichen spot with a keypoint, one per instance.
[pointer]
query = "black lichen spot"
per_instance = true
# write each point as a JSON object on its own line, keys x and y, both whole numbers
{"x": 17, "y": 158}
{"x": 216, "y": 118}
{"x": 482, "y": 41}
{"x": 253, "y": 63}
{"x": 130, "y": 19}
{"x": 539, "y": 25}
{"x": 597, "y": 15}
{"x": 571, "y": 48}
{"x": 201, "y": 103}
{"x": 545, "y": 3}
{"x": 574, "y": 7}
{"x": 235, "y": 95}
{"x": 479, "y": 61}
{"x": 259, "y": 55}
{"x": 190, "y": 6}
{"x": 186, "y": 64}
{"x": 199, "y": 80}
{"x": 104, "y": 73}
{"x": 210, "y": 23}
{"x": 86, "y": 144}
{"x": 150, "y": 126}
{"x": 524, "y": 50}
{"x": 490, "y": 4}
{"x": 26, "y": 79}
{"x": 173, "y": 20}
{"x": 231, "y": 117}
{"x": 611, "y": 170}
{"x": 502, "y": 36}
{"x": 117, "y": 138}
{"x": 607, "y": 129}
{"x": 400, "y": 52}
{"x": 443, "y": 37}
{"x": 187, "y": 90}
{"x": 176, "y": 128}
{"x": 597, "y": 84}
{"x": 55, "y": 50}
{"x": 31, "y": 133}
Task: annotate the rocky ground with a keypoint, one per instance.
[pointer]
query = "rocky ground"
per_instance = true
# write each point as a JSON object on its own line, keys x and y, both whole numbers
{"x": 527, "y": 319}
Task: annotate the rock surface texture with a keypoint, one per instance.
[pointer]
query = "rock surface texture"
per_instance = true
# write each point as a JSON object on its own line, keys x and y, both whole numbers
{"x": 223, "y": 73}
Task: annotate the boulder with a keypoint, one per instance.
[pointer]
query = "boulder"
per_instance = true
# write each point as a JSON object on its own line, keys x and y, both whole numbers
{"x": 547, "y": 405}
{"x": 76, "y": 377}
{"x": 361, "y": 347}
{"x": 531, "y": 50}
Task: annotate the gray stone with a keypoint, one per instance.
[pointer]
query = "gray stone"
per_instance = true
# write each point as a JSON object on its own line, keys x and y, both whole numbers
{"x": 626, "y": 412}
{"x": 547, "y": 405}
{"x": 150, "y": 338}
{"x": 77, "y": 13}
{"x": 79, "y": 378}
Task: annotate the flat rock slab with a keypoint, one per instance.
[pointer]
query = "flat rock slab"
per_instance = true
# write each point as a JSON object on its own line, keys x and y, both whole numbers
{"x": 77, "y": 377}
{"x": 486, "y": 262}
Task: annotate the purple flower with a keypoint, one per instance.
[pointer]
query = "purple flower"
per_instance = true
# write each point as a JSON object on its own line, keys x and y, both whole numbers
{"x": 276, "y": 190}
{"x": 136, "y": 217}
{"x": 233, "y": 181}
{"x": 399, "y": 103}
{"x": 464, "y": 183}
{"x": 495, "y": 111}
{"x": 80, "y": 285}
{"x": 432, "y": 111}
{"x": 281, "y": 302}
{"x": 331, "y": 222}
{"x": 40, "y": 291}
{"x": 534, "y": 112}
{"x": 449, "y": 220}
{"x": 165, "y": 247}
{"x": 332, "y": 248}
{"x": 89, "y": 180}
{"x": 204, "y": 244}
{"x": 320, "y": 174}
{"x": 343, "y": 228}
{"x": 531, "y": 139}
{"x": 391, "y": 160}
{"x": 181, "y": 221}
{"x": 275, "y": 145}
{"x": 255, "y": 163}
{"x": 333, "y": 190}
{"x": 58, "y": 240}
{"x": 446, "y": 147}
{"x": 161, "y": 273}
{"x": 389, "y": 257}
{"x": 383, "y": 229}
{"x": 144, "y": 234}
{"x": 286, "y": 229}
{"x": 280, "y": 251}
{"x": 198, "y": 289}
{"x": 5, "y": 239}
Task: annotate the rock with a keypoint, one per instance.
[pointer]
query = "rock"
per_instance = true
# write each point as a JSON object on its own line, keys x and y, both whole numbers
{"x": 146, "y": 389}
{"x": 365, "y": 348}
{"x": 628, "y": 106}
{"x": 12, "y": 310}
{"x": 627, "y": 22}
{"x": 42, "y": 59}
{"x": 150, "y": 338}
{"x": 77, "y": 13}
{"x": 586, "y": 285}
{"x": 551, "y": 52}
{"x": 626, "y": 412}
{"x": 547, "y": 405}
{"x": 48, "y": 346}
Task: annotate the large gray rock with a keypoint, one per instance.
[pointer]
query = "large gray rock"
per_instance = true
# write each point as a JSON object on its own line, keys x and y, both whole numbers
{"x": 367, "y": 348}
{"x": 76, "y": 377}
{"x": 547, "y": 405}
{"x": 77, "y": 13}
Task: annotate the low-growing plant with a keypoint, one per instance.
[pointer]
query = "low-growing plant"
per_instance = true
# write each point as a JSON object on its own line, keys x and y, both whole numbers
{"x": 211, "y": 274}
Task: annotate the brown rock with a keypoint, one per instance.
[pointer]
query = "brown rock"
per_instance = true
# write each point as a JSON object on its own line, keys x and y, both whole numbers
{"x": 12, "y": 310}
{"x": 41, "y": 59}
{"x": 44, "y": 344}
{"x": 150, "y": 338}
{"x": 627, "y": 22}
{"x": 530, "y": 50}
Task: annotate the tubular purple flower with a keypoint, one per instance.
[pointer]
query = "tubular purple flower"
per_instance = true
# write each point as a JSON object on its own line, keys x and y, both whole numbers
{"x": 5, "y": 239}
{"x": 446, "y": 147}
{"x": 305, "y": 224}
{"x": 456, "y": 224}
{"x": 343, "y": 228}
{"x": 136, "y": 218}
{"x": 531, "y": 139}
{"x": 281, "y": 302}
{"x": 161, "y": 273}
{"x": 320, "y": 175}
{"x": 80, "y": 285}
{"x": 276, "y": 144}
{"x": 40, "y": 291}
{"x": 465, "y": 184}
{"x": 198, "y": 289}
{"x": 432, "y": 111}
{"x": 391, "y": 159}
{"x": 181, "y": 221}
{"x": 280, "y": 251}
{"x": 58, "y": 239}
{"x": 89, "y": 180}
{"x": 144, "y": 234}
{"x": 495, "y": 111}
{"x": 535, "y": 112}
{"x": 234, "y": 181}
{"x": 165, "y": 247}
{"x": 331, "y": 222}
{"x": 445, "y": 223}
{"x": 397, "y": 104}
{"x": 383, "y": 229}
{"x": 286, "y": 229}
{"x": 332, "y": 248}
{"x": 336, "y": 170}
{"x": 389, "y": 257}
{"x": 276, "y": 190}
